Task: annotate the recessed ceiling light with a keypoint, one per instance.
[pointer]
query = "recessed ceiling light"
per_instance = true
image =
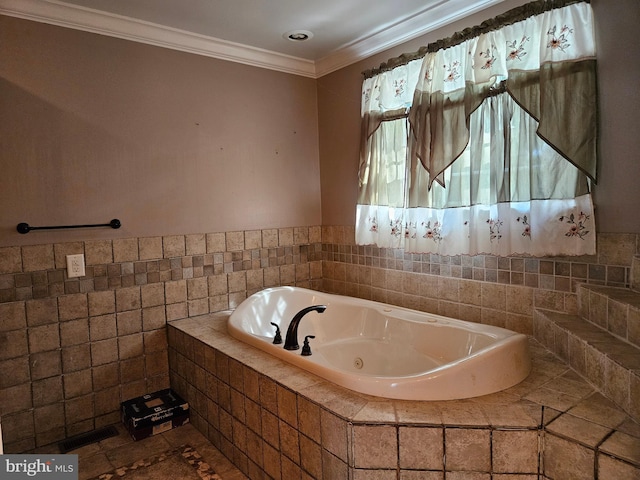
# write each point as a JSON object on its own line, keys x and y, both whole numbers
{"x": 298, "y": 35}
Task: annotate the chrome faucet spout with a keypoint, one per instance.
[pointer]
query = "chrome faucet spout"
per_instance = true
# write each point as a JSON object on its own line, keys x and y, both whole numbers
{"x": 291, "y": 341}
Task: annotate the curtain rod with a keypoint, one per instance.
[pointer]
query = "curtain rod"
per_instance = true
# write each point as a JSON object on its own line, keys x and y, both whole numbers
{"x": 514, "y": 15}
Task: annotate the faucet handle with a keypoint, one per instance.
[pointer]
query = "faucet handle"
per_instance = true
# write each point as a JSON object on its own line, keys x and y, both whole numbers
{"x": 277, "y": 339}
{"x": 306, "y": 349}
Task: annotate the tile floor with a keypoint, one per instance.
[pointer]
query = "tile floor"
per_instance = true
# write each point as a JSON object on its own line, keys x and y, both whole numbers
{"x": 104, "y": 456}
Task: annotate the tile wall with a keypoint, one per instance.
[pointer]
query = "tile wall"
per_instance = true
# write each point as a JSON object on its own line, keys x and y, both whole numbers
{"x": 501, "y": 291}
{"x": 72, "y": 349}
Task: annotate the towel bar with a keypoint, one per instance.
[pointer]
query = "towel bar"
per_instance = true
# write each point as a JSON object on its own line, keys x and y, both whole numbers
{"x": 26, "y": 228}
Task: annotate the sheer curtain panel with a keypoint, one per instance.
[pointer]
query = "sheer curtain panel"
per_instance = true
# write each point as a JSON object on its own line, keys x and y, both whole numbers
{"x": 497, "y": 150}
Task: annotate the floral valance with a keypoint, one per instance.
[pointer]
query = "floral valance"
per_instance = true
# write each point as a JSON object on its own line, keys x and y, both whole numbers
{"x": 547, "y": 64}
{"x": 485, "y": 142}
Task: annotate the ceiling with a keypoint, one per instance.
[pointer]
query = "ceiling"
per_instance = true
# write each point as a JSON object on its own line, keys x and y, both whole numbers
{"x": 253, "y": 31}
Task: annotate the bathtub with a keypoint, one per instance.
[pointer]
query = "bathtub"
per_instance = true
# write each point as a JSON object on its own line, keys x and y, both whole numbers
{"x": 383, "y": 350}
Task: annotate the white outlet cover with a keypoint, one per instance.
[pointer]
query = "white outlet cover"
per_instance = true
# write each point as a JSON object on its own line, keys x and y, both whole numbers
{"x": 75, "y": 266}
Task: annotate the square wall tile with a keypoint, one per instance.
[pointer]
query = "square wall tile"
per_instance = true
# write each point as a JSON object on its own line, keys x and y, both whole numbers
{"x": 216, "y": 242}
{"x": 334, "y": 434}
{"x": 272, "y": 464}
{"x": 175, "y": 292}
{"x": 234, "y": 241}
{"x": 285, "y": 237}
{"x": 196, "y": 244}
{"x": 197, "y": 288}
{"x": 152, "y": 295}
{"x": 103, "y": 352}
{"x": 287, "y": 406}
{"x": 41, "y": 311}
{"x": 311, "y": 456}
{"x": 565, "y": 459}
{"x": 467, "y": 449}
{"x": 173, "y": 246}
{"x": 270, "y": 428}
{"x": 77, "y": 383}
{"x": 309, "y": 419}
{"x": 102, "y": 327}
{"x": 14, "y": 371}
{"x": 333, "y": 467}
{"x": 101, "y": 303}
{"x": 49, "y": 417}
{"x": 128, "y": 299}
{"x": 45, "y": 364}
{"x": 375, "y": 446}
{"x": 37, "y": 257}
{"x": 150, "y": 248}
{"x": 515, "y": 451}
{"x": 44, "y": 338}
{"x": 10, "y": 260}
{"x": 76, "y": 357}
{"x": 13, "y": 316}
{"x": 47, "y": 391}
{"x": 73, "y": 306}
{"x": 74, "y": 332}
{"x": 270, "y": 238}
{"x": 252, "y": 239}
{"x": 129, "y": 322}
{"x": 125, "y": 250}
{"x": 98, "y": 252}
{"x": 421, "y": 448}
{"x": 300, "y": 235}
{"x": 290, "y": 442}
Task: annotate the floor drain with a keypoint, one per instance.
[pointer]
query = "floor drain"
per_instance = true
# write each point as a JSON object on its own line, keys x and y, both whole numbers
{"x": 87, "y": 438}
{"x": 358, "y": 363}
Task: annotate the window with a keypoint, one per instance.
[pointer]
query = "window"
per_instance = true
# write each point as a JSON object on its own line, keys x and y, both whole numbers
{"x": 477, "y": 148}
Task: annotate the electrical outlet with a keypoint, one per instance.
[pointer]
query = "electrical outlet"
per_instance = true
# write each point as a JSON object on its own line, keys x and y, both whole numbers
{"x": 75, "y": 265}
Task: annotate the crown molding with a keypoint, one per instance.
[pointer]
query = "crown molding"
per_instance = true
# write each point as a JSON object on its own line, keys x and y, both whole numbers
{"x": 95, "y": 21}
{"x": 103, "y": 23}
{"x": 436, "y": 16}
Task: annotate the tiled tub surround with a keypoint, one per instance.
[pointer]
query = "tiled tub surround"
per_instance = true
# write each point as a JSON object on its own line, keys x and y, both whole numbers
{"x": 274, "y": 420}
{"x": 501, "y": 291}
{"x": 601, "y": 342}
{"x": 71, "y": 349}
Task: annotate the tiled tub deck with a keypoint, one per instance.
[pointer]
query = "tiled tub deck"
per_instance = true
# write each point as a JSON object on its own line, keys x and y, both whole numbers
{"x": 273, "y": 420}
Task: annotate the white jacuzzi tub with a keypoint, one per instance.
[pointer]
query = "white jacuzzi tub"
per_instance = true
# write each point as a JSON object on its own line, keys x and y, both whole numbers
{"x": 383, "y": 350}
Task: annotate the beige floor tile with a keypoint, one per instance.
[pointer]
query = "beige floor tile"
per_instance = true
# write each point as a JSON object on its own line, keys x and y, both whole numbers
{"x": 93, "y": 465}
{"x": 102, "y": 457}
{"x": 129, "y": 453}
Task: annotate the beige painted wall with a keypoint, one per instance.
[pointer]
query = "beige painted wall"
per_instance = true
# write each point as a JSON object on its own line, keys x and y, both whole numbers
{"x": 617, "y": 196}
{"x": 94, "y": 128}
